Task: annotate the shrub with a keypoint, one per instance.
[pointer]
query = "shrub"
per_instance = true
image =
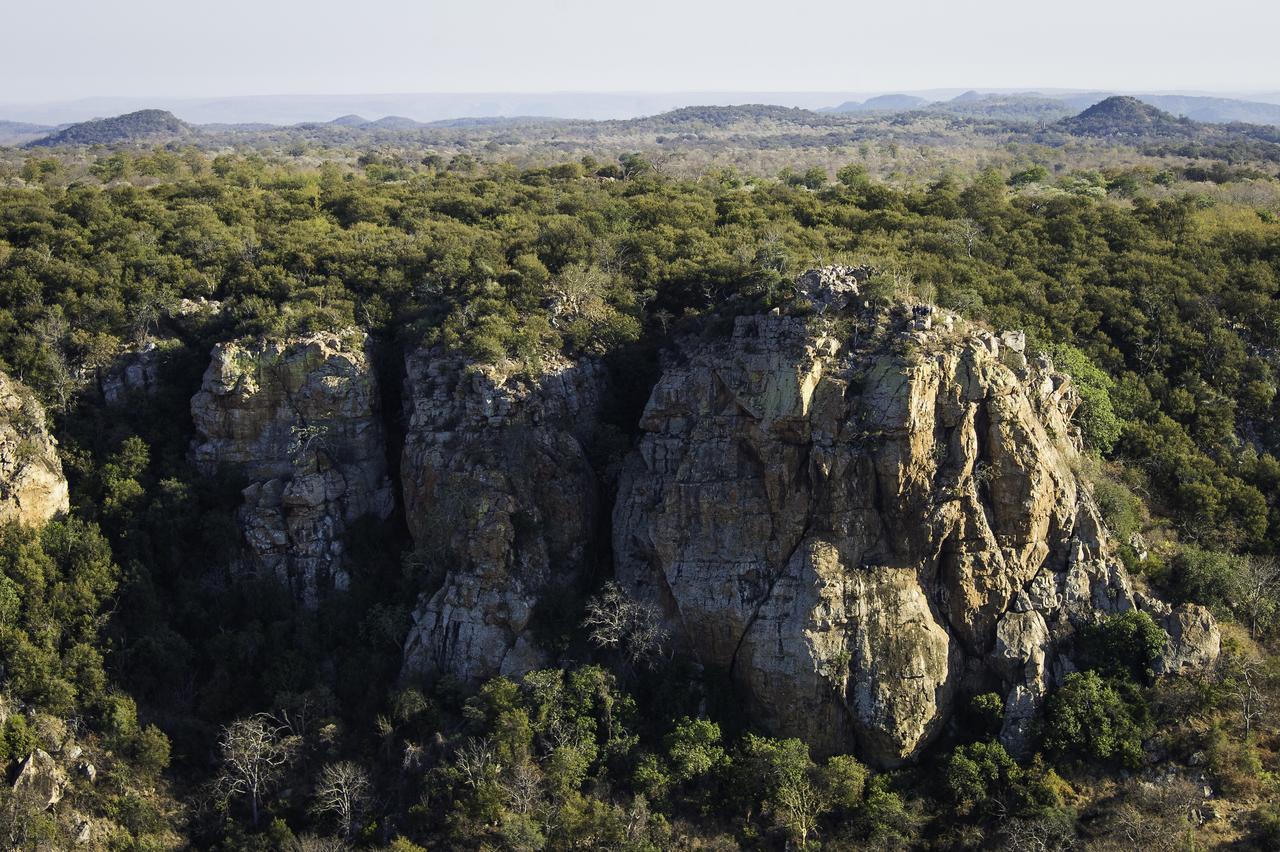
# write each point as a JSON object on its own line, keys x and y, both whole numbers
{"x": 1124, "y": 646}
{"x": 1094, "y": 718}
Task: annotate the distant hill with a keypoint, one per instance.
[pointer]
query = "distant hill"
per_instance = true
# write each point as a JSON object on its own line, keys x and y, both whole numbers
{"x": 350, "y": 121}
{"x": 148, "y": 125}
{"x": 1216, "y": 110}
{"x": 19, "y": 132}
{"x": 1123, "y": 116}
{"x": 1005, "y": 107}
{"x": 723, "y": 117}
{"x": 395, "y": 122}
{"x": 887, "y": 103}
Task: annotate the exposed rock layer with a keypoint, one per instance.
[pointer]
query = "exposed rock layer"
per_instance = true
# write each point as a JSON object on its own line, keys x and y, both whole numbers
{"x": 859, "y": 517}
{"x": 32, "y": 487}
{"x": 299, "y": 420}
{"x": 501, "y": 502}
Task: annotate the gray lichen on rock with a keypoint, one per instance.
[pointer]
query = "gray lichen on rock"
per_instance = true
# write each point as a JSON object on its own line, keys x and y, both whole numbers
{"x": 298, "y": 419}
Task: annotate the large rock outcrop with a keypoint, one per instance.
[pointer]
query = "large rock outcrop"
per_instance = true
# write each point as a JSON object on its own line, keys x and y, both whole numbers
{"x": 297, "y": 419}
{"x": 859, "y": 516}
{"x": 501, "y": 501}
{"x": 32, "y": 487}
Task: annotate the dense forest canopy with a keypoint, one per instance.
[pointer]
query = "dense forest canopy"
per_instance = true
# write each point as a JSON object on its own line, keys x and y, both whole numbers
{"x": 1154, "y": 281}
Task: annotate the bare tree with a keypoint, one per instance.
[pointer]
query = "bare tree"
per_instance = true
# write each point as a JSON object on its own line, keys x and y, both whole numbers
{"x": 1244, "y": 683}
{"x": 522, "y": 787}
{"x": 476, "y": 762}
{"x": 966, "y": 232}
{"x": 255, "y": 753}
{"x": 343, "y": 791}
{"x": 798, "y": 805}
{"x": 1259, "y": 591}
{"x": 617, "y": 621}
{"x": 1038, "y": 834}
{"x": 579, "y": 290}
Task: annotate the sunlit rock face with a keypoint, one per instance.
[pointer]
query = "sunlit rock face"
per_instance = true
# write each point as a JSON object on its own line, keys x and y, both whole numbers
{"x": 32, "y": 487}
{"x": 298, "y": 419}
{"x": 861, "y": 515}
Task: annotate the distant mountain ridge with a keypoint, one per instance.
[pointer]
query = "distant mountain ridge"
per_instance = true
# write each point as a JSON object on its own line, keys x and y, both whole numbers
{"x": 1216, "y": 110}
{"x": 890, "y": 102}
{"x": 21, "y": 132}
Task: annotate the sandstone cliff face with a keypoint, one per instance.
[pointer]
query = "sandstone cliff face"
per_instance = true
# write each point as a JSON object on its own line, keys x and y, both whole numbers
{"x": 859, "y": 517}
{"x": 499, "y": 496}
{"x": 32, "y": 487}
{"x": 299, "y": 420}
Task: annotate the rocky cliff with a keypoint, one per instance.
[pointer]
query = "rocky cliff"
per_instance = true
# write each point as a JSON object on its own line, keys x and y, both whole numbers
{"x": 298, "y": 420}
{"x": 860, "y": 515}
{"x": 32, "y": 487}
{"x": 501, "y": 502}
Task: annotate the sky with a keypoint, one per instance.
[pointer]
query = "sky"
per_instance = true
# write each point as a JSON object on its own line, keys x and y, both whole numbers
{"x": 70, "y": 49}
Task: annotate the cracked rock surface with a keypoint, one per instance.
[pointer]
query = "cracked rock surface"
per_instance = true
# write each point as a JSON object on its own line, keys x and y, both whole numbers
{"x": 501, "y": 502}
{"x": 298, "y": 419}
{"x": 32, "y": 487}
{"x": 860, "y": 516}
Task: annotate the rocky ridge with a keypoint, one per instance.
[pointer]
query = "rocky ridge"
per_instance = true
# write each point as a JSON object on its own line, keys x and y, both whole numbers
{"x": 298, "y": 419}
{"x": 32, "y": 487}
{"x": 860, "y": 516}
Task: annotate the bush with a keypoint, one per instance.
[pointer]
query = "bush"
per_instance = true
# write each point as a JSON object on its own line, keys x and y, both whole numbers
{"x": 1124, "y": 646}
{"x": 976, "y": 773}
{"x": 1209, "y": 577}
{"x": 693, "y": 749}
{"x": 1096, "y": 719}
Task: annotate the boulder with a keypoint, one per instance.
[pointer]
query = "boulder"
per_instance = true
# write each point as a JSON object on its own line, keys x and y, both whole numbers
{"x": 40, "y": 777}
{"x": 1194, "y": 640}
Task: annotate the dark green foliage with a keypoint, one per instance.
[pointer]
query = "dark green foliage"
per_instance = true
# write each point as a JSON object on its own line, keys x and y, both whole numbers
{"x": 1124, "y": 646}
{"x": 1206, "y": 576}
{"x": 57, "y": 584}
{"x": 1097, "y": 719}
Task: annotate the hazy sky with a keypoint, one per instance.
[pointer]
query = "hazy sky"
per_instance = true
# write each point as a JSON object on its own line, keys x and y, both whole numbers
{"x": 62, "y": 49}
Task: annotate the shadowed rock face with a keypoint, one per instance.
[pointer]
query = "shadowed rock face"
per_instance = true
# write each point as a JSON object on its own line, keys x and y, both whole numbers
{"x": 500, "y": 499}
{"x": 860, "y": 516}
{"x": 32, "y": 487}
{"x": 298, "y": 419}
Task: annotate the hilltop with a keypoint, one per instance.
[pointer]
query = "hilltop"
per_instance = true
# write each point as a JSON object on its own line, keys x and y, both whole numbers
{"x": 148, "y": 125}
{"x": 1122, "y": 115}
